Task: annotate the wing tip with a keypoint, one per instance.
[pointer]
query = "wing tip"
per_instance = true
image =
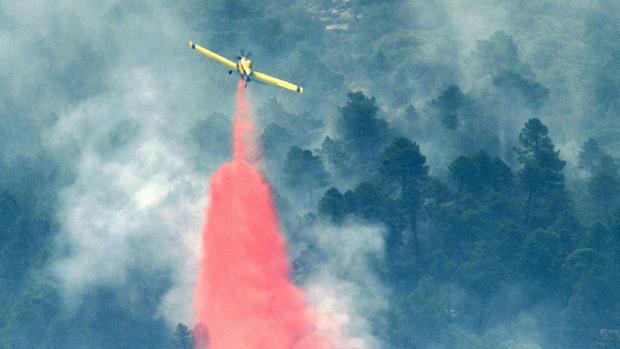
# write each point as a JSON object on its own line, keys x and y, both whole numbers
{"x": 300, "y": 89}
{"x": 192, "y": 45}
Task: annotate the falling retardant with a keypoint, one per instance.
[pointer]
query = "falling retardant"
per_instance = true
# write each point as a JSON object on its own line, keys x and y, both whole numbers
{"x": 244, "y": 298}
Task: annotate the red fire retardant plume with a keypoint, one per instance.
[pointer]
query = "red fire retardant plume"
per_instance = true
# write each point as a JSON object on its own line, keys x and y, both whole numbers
{"x": 244, "y": 298}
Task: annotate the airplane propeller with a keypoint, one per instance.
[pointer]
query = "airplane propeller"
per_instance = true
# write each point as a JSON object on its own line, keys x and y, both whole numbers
{"x": 243, "y": 54}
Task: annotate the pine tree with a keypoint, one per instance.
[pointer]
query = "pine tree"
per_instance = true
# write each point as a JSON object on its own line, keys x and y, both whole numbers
{"x": 590, "y": 155}
{"x": 541, "y": 174}
{"x": 183, "y": 337}
{"x": 304, "y": 172}
{"x": 604, "y": 185}
{"x": 404, "y": 171}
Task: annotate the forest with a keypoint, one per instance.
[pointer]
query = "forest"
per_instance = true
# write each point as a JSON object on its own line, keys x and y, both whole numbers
{"x": 441, "y": 183}
{"x": 464, "y": 256}
{"x": 468, "y": 254}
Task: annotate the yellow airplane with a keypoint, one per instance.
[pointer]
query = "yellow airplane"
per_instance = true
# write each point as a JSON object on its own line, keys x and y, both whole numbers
{"x": 245, "y": 70}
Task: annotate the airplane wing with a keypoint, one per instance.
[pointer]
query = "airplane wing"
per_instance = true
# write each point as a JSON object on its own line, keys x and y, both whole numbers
{"x": 277, "y": 82}
{"x": 214, "y": 56}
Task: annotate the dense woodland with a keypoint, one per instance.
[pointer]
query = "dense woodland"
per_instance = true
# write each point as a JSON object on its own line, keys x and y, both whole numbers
{"x": 465, "y": 252}
{"x": 492, "y": 236}
{"x": 508, "y": 240}
{"x": 484, "y": 244}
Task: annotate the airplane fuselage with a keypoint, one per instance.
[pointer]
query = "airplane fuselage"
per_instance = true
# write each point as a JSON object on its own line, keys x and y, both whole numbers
{"x": 244, "y": 67}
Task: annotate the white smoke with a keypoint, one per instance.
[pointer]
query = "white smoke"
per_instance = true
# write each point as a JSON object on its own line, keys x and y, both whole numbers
{"x": 135, "y": 207}
{"x": 136, "y": 203}
{"x": 345, "y": 291}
